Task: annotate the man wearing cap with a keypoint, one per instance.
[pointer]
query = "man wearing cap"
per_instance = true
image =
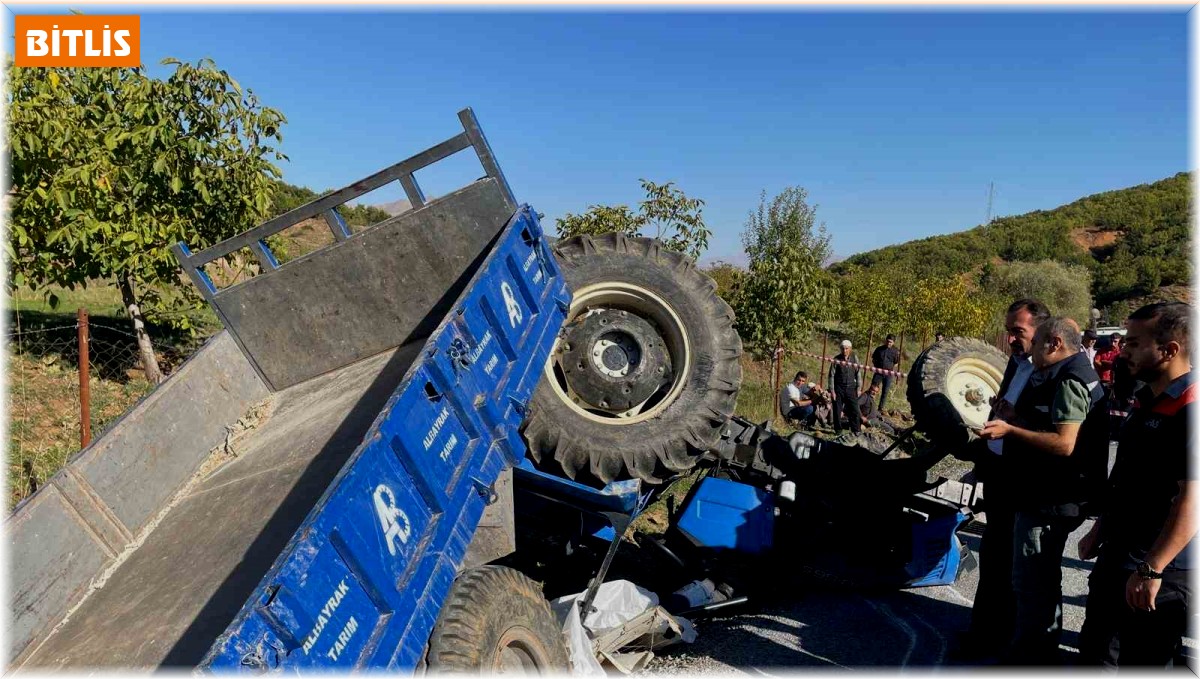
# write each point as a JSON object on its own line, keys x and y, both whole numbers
{"x": 844, "y": 386}
{"x": 1089, "y": 344}
{"x": 885, "y": 357}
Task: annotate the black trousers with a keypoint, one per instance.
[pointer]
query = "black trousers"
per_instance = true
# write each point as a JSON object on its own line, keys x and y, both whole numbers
{"x": 993, "y": 616}
{"x": 1115, "y": 635}
{"x": 886, "y": 382}
{"x": 847, "y": 402}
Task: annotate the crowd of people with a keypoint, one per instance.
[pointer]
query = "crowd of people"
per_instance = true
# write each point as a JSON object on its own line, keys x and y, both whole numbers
{"x": 1043, "y": 458}
{"x": 1044, "y": 466}
{"x": 808, "y": 404}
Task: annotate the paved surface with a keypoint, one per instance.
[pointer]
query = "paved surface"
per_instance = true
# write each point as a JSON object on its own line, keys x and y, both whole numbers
{"x": 824, "y": 629}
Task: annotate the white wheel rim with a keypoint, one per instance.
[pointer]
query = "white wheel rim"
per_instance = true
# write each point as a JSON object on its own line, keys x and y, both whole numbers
{"x": 971, "y": 383}
{"x": 641, "y": 302}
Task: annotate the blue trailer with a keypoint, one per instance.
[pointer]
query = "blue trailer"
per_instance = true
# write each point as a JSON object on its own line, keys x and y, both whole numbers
{"x": 391, "y": 369}
{"x": 330, "y": 481}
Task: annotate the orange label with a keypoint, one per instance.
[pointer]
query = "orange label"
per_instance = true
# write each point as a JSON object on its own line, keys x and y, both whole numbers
{"x": 78, "y": 40}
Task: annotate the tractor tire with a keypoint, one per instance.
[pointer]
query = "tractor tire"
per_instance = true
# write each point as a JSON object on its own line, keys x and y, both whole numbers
{"x": 496, "y": 620}
{"x": 950, "y": 386}
{"x": 645, "y": 374}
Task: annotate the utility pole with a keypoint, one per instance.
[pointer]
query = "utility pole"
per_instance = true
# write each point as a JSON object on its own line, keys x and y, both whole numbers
{"x": 991, "y": 191}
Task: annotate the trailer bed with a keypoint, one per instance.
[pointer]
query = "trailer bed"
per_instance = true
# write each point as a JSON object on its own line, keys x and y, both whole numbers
{"x": 170, "y": 599}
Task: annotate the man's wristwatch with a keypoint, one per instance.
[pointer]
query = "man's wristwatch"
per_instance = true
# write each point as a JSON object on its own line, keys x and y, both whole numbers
{"x": 1145, "y": 572}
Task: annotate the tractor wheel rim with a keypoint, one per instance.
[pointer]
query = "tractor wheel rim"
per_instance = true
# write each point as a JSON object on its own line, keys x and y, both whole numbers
{"x": 970, "y": 385}
{"x": 517, "y": 653}
{"x": 645, "y": 304}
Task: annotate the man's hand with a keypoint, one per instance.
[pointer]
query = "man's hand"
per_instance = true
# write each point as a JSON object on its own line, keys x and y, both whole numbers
{"x": 995, "y": 429}
{"x": 1089, "y": 544}
{"x": 1140, "y": 593}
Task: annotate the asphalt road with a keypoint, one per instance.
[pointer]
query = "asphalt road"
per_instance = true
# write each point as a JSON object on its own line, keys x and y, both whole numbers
{"x": 828, "y": 629}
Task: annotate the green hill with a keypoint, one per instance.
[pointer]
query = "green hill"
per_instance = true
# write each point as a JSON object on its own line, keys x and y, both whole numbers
{"x": 1134, "y": 240}
{"x": 287, "y": 197}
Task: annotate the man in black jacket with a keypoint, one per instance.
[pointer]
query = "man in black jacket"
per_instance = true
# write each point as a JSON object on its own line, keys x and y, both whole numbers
{"x": 1139, "y": 593}
{"x": 885, "y": 357}
{"x": 1057, "y": 441}
{"x": 844, "y": 387}
{"x": 993, "y": 612}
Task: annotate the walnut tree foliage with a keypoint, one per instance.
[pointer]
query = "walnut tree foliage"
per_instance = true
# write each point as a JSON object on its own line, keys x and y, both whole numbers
{"x": 667, "y": 214}
{"x": 110, "y": 167}
{"x": 785, "y": 294}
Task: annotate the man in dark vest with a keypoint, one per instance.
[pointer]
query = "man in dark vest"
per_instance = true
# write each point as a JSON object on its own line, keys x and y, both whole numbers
{"x": 993, "y": 612}
{"x": 1056, "y": 444}
{"x": 1139, "y": 593}
{"x": 844, "y": 386}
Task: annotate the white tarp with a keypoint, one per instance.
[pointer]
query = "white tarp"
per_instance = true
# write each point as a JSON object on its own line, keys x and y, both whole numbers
{"x": 617, "y": 602}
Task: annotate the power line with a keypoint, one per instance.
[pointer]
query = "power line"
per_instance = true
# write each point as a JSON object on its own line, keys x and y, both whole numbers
{"x": 991, "y": 192}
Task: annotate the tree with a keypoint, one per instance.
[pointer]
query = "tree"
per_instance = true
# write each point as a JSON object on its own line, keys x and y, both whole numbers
{"x": 728, "y": 278}
{"x": 875, "y": 301}
{"x": 677, "y": 220}
{"x": 111, "y": 167}
{"x": 1062, "y": 287}
{"x": 786, "y": 293}
{"x": 951, "y": 306}
{"x": 786, "y": 219}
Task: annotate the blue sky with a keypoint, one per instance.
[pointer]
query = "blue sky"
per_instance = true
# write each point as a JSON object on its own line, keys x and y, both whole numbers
{"x": 894, "y": 122}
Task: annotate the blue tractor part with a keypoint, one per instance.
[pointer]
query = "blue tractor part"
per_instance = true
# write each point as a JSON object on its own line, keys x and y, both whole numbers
{"x": 727, "y": 515}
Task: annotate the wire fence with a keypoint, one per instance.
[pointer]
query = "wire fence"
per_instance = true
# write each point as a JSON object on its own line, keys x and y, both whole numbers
{"x": 57, "y": 402}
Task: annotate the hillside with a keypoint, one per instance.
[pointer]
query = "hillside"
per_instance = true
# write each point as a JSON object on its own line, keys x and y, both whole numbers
{"x": 1135, "y": 241}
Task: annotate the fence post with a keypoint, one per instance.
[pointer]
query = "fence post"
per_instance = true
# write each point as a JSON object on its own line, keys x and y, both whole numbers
{"x": 824, "y": 343}
{"x": 900, "y": 363}
{"x": 85, "y": 396}
{"x": 777, "y": 361}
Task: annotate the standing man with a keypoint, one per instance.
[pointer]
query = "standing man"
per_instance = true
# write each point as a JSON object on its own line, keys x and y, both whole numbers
{"x": 844, "y": 386}
{"x": 885, "y": 357}
{"x": 1138, "y": 594}
{"x": 1057, "y": 442}
{"x": 1106, "y": 358}
{"x": 994, "y": 611}
{"x": 1089, "y": 344}
{"x": 794, "y": 403}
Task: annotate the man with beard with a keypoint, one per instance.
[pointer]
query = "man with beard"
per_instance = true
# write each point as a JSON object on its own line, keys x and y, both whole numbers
{"x": 993, "y": 612}
{"x": 1056, "y": 443}
{"x": 1138, "y": 593}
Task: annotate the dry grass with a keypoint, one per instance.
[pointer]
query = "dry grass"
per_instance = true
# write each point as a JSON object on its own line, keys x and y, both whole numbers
{"x": 44, "y": 415}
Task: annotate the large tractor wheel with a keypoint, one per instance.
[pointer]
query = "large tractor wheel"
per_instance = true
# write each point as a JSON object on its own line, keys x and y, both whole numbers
{"x": 496, "y": 621}
{"x": 950, "y": 387}
{"x": 645, "y": 373}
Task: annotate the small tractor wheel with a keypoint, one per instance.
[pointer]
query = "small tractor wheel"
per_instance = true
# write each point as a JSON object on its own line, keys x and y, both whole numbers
{"x": 950, "y": 387}
{"x": 496, "y": 621}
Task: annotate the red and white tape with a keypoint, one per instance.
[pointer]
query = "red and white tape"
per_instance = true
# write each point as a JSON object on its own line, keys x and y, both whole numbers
{"x": 894, "y": 373}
